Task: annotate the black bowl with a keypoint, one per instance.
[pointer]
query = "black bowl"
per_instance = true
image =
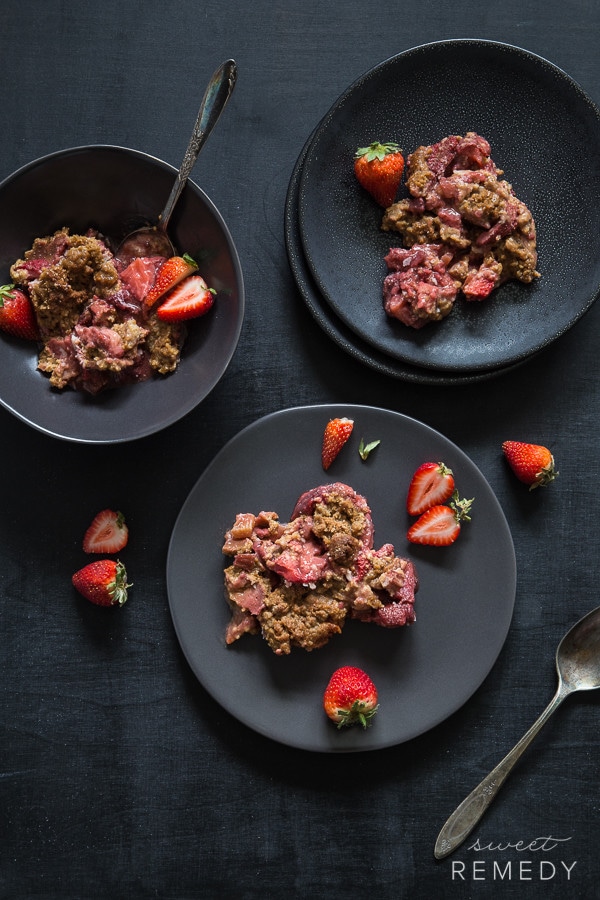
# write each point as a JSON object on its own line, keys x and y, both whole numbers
{"x": 116, "y": 189}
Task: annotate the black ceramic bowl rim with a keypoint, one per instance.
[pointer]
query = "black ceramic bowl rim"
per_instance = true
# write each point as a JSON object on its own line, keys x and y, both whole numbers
{"x": 134, "y": 411}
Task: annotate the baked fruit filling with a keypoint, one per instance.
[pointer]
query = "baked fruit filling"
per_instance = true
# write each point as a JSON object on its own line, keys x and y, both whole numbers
{"x": 463, "y": 230}
{"x": 297, "y": 583}
{"x": 96, "y": 330}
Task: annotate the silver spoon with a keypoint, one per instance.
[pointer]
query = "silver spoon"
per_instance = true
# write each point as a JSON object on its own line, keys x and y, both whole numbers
{"x": 578, "y": 667}
{"x": 154, "y": 240}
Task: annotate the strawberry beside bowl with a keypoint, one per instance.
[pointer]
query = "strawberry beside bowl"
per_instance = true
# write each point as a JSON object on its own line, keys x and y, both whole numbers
{"x": 115, "y": 190}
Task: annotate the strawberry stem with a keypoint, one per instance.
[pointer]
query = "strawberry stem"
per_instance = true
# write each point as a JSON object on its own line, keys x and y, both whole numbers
{"x": 356, "y": 715}
{"x": 377, "y": 151}
{"x": 462, "y": 508}
{"x": 6, "y": 293}
{"x": 546, "y": 475}
{"x": 365, "y": 449}
{"x": 118, "y": 588}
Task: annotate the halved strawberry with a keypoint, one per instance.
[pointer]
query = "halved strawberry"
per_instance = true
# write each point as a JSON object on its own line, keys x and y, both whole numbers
{"x": 171, "y": 273}
{"x": 337, "y": 432}
{"x": 190, "y": 299}
{"x": 439, "y": 526}
{"x": 431, "y": 484}
{"x": 17, "y": 315}
{"x": 108, "y": 533}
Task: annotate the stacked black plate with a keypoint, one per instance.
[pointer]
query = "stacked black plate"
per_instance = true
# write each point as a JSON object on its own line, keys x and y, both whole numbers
{"x": 545, "y": 135}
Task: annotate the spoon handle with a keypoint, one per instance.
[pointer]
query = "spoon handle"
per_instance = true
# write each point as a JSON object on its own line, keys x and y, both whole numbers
{"x": 466, "y": 816}
{"x": 217, "y": 94}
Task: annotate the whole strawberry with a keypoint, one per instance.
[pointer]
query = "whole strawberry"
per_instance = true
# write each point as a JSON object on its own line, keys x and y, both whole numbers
{"x": 350, "y": 697}
{"x": 337, "y": 432}
{"x": 379, "y": 169}
{"x": 533, "y": 464}
{"x": 103, "y": 582}
{"x": 17, "y": 316}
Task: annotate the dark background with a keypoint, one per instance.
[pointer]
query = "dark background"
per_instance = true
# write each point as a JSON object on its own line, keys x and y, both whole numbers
{"x": 119, "y": 776}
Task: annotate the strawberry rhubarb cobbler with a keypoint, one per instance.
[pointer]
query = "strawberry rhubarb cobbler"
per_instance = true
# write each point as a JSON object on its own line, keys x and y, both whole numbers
{"x": 98, "y": 316}
{"x": 296, "y": 583}
{"x": 463, "y": 230}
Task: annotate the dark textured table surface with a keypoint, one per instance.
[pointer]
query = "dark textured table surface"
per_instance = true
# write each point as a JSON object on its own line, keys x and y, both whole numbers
{"x": 120, "y": 776}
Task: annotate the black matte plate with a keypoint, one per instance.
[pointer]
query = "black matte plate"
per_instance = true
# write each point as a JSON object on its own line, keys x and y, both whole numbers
{"x": 423, "y": 672}
{"x": 545, "y": 134}
{"x": 337, "y": 330}
{"x": 115, "y": 189}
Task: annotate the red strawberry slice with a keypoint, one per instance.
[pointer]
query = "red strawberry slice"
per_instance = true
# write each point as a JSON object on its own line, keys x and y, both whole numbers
{"x": 432, "y": 484}
{"x": 190, "y": 299}
{"x": 17, "y": 315}
{"x": 108, "y": 533}
{"x": 439, "y": 526}
{"x": 171, "y": 273}
{"x": 337, "y": 432}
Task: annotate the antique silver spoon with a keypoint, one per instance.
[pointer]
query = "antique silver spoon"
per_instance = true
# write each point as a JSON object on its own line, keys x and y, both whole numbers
{"x": 154, "y": 240}
{"x": 578, "y": 667}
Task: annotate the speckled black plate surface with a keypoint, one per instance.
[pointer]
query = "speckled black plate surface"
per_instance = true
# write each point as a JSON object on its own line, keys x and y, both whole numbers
{"x": 337, "y": 330}
{"x": 545, "y": 135}
{"x": 424, "y": 672}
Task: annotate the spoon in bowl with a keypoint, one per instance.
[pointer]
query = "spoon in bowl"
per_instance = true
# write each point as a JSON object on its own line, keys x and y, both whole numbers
{"x": 578, "y": 668}
{"x": 154, "y": 240}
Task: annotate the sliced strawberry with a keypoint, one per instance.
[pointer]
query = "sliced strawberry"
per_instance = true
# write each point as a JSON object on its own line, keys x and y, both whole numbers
{"x": 170, "y": 274}
{"x": 108, "y": 533}
{"x": 337, "y": 432}
{"x": 17, "y": 315}
{"x": 190, "y": 299}
{"x": 431, "y": 485}
{"x": 439, "y": 526}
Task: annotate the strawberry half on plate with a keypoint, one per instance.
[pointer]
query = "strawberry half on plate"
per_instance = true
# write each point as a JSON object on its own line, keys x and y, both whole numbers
{"x": 188, "y": 300}
{"x": 431, "y": 485}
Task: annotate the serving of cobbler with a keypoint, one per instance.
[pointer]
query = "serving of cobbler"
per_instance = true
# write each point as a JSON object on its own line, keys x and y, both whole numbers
{"x": 296, "y": 583}
{"x": 96, "y": 331}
